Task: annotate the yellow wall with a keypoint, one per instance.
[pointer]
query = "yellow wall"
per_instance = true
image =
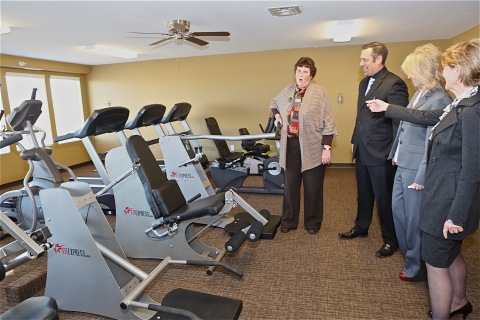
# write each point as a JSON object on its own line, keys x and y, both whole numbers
{"x": 236, "y": 89}
{"x": 467, "y": 35}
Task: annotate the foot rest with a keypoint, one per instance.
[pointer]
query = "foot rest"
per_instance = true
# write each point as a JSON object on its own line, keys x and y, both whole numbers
{"x": 203, "y": 305}
{"x": 41, "y": 308}
{"x": 269, "y": 230}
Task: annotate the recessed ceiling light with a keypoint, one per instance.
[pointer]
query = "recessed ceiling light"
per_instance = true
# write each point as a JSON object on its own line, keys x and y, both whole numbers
{"x": 284, "y": 11}
{"x": 111, "y": 51}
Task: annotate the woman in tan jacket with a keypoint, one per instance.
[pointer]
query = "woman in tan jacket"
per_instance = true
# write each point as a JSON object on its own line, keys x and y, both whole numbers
{"x": 308, "y": 127}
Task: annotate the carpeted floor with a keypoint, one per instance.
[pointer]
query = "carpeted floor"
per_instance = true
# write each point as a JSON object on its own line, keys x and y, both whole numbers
{"x": 295, "y": 275}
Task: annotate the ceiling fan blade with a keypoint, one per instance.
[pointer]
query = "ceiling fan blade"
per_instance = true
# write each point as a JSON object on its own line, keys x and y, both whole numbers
{"x": 160, "y": 41}
{"x": 211, "y": 34}
{"x": 164, "y": 34}
{"x": 200, "y": 42}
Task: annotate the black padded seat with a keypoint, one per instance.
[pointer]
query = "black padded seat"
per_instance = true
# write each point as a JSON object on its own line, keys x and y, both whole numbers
{"x": 41, "y": 308}
{"x": 164, "y": 196}
{"x": 221, "y": 145}
{"x": 149, "y": 115}
{"x": 203, "y": 305}
{"x": 252, "y": 146}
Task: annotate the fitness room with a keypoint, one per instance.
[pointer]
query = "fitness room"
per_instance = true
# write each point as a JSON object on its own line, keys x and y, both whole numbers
{"x": 162, "y": 116}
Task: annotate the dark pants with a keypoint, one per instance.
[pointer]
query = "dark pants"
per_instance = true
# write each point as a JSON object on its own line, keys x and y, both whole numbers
{"x": 375, "y": 183}
{"x": 312, "y": 188}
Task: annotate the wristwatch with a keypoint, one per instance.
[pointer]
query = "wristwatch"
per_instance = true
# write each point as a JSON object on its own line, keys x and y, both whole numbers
{"x": 328, "y": 148}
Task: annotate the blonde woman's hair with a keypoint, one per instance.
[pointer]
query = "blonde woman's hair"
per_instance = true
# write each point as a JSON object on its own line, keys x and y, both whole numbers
{"x": 424, "y": 65}
{"x": 466, "y": 56}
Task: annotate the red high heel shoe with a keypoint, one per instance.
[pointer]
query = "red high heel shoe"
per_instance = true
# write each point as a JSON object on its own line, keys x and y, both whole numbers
{"x": 404, "y": 277}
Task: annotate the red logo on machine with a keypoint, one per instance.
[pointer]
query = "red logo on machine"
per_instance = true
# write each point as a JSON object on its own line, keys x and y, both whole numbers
{"x": 179, "y": 175}
{"x": 133, "y": 212}
{"x": 62, "y": 249}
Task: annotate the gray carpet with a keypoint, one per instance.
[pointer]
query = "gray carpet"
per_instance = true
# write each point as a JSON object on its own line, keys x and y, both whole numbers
{"x": 295, "y": 275}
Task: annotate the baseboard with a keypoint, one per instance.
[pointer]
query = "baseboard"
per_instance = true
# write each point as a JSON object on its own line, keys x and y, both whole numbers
{"x": 342, "y": 165}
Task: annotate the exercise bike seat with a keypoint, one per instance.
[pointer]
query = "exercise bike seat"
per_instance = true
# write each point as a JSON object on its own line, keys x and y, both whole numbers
{"x": 221, "y": 145}
{"x": 41, "y": 308}
{"x": 164, "y": 196}
{"x": 252, "y": 147}
{"x": 149, "y": 115}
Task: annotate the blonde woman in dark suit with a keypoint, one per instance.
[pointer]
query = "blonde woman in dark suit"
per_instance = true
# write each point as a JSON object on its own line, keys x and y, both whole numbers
{"x": 424, "y": 69}
{"x": 450, "y": 209}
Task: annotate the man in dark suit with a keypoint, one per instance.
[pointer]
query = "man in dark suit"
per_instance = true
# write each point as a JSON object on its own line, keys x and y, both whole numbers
{"x": 372, "y": 140}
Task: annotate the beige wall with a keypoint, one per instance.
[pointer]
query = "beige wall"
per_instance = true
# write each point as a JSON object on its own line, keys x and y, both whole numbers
{"x": 236, "y": 89}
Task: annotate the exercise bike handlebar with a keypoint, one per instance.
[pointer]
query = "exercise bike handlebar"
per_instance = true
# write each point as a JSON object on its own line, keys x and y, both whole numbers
{"x": 10, "y": 140}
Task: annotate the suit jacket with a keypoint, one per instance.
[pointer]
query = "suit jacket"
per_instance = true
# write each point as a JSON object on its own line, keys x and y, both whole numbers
{"x": 315, "y": 120}
{"x": 373, "y": 134}
{"x": 452, "y": 182}
{"x": 411, "y": 138}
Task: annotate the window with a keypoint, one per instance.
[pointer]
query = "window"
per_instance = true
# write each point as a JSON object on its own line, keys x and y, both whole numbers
{"x": 67, "y": 104}
{"x": 2, "y": 125}
{"x": 20, "y": 87}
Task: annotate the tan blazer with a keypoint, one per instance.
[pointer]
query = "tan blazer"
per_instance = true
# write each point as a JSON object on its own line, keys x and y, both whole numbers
{"x": 315, "y": 120}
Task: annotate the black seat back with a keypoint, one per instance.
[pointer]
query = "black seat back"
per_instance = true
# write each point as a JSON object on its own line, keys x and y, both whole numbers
{"x": 164, "y": 196}
{"x": 221, "y": 145}
{"x": 106, "y": 120}
{"x": 149, "y": 115}
{"x": 179, "y": 112}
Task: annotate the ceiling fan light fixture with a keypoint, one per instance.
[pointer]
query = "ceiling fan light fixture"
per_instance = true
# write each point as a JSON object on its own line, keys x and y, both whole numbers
{"x": 111, "y": 51}
{"x": 285, "y": 11}
{"x": 343, "y": 30}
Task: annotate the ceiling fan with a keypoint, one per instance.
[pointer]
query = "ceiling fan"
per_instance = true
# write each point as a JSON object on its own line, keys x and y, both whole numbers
{"x": 180, "y": 29}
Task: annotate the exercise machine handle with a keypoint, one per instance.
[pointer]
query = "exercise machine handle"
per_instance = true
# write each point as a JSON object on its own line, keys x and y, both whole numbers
{"x": 10, "y": 140}
{"x": 34, "y": 94}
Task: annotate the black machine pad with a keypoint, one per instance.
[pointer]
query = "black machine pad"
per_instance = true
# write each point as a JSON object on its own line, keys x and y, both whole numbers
{"x": 203, "y": 305}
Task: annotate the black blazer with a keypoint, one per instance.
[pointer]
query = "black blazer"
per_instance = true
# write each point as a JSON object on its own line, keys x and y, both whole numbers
{"x": 374, "y": 133}
{"x": 452, "y": 182}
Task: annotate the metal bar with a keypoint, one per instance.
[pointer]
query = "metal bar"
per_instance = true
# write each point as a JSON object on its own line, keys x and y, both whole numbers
{"x": 112, "y": 256}
{"x": 142, "y": 286}
{"x": 232, "y": 138}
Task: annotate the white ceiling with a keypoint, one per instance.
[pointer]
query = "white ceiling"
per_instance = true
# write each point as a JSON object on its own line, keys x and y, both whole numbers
{"x": 57, "y": 30}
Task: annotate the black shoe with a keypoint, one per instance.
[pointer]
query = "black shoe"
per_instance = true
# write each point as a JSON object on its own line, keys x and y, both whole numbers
{"x": 465, "y": 311}
{"x": 352, "y": 234}
{"x": 285, "y": 229}
{"x": 385, "y": 251}
{"x": 312, "y": 231}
